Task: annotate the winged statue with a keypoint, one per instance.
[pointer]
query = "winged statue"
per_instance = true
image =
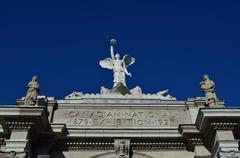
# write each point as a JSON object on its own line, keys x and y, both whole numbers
{"x": 119, "y": 66}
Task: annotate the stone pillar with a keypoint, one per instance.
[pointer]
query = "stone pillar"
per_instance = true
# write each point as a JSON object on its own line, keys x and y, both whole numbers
{"x": 224, "y": 143}
{"x": 18, "y": 141}
{"x": 122, "y": 148}
{"x": 51, "y": 107}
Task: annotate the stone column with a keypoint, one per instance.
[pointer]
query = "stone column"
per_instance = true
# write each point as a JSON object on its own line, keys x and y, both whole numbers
{"x": 224, "y": 143}
{"x": 18, "y": 141}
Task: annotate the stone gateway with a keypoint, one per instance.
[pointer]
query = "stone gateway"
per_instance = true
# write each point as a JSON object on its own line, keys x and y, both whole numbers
{"x": 119, "y": 123}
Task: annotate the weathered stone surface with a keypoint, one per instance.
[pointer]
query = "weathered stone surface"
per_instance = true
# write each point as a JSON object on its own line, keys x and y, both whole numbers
{"x": 91, "y": 125}
{"x": 122, "y": 117}
{"x": 208, "y": 87}
{"x": 33, "y": 91}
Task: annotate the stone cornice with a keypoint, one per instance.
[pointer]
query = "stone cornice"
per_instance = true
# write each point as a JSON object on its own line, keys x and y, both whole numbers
{"x": 16, "y": 111}
{"x": 223, "y": 125}
{"x": 222, "y": 118}
{"x": 19, "y": 125}
{"x": 108, "y": 144}
{"x": 137, "y": 133}
{"x": 160, "y": 145}
{"x": 23, "y": 118}
{"x": 89, "y": 145}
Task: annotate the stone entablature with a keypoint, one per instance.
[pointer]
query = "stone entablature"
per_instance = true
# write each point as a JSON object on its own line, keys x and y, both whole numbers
{"x": 182, "y": 133}
{"x": 121, "y": 118}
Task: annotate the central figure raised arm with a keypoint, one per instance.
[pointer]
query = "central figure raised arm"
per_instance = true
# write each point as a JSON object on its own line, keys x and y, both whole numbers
{"x": 118, "y": 66}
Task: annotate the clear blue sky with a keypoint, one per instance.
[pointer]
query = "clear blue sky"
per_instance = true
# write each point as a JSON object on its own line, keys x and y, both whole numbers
{"x": 174, "y": 43}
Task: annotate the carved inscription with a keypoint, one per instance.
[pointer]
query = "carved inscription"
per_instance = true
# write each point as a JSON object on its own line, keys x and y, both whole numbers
{"x": 123, "y": 118}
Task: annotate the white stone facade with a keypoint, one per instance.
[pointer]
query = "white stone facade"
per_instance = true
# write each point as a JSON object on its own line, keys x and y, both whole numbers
{"x": 96, "y": 126}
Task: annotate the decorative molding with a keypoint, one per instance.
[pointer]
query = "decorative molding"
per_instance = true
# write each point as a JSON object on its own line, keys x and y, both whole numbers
{"x": 110, "y": 145}
{"x": 90, "y": 145}
{"x": 24, "y": 111}
{"x": 228, "y": 154}
{"x": 86, "y": 144}
{"x": 122, "y": 148}
{"x": 218, "y": 125}
{"x": 158, "y": 145}
{"x": 127, "y": 132}
{"x": 218, "y": 118}
{"x": 196, "y": 141}
{"x": 137, "y": 93}
{"x": 19, "y": 125}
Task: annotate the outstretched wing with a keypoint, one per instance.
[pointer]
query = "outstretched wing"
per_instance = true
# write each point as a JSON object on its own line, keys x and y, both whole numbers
{"x": 128, "y": 60}
{"x": 106, "y": 63}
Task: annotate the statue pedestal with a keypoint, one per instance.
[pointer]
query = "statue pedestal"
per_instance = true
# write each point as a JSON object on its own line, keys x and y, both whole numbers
{"x": 120, "y": 89}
